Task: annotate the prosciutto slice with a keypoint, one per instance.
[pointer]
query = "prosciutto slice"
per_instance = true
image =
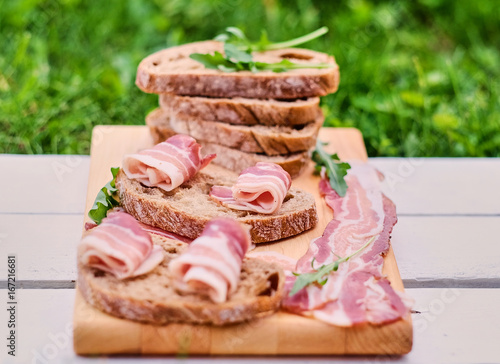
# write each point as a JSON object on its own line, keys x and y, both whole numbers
{"x": 357, "y": 292}
{"x": 120, "y": 246}
{"x": 211, "y": 265}
{"x": 261, "y": 188}
{"x": 167, "y": 165}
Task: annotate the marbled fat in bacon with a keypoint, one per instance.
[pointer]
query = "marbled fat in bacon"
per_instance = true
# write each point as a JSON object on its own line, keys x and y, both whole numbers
{"x": 211, "y": 265}
{"x": 167, "y": 165}
{"x": 120, "y": 246}
{"x": 357, "y": 292}
{"x": 261, "y": 188}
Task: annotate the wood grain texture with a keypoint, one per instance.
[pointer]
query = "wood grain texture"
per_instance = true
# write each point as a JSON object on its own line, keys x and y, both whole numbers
{"x": 282, "y": 333}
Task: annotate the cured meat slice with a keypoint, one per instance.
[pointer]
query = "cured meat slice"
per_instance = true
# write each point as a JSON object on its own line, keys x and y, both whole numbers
{"x": 261, "y": 188}
{"x": 212, "y": 264}
{"x": 168, "y": 164}
{"x": 120, "y": 246}
{"x": 357, "y": 292}
{"x": 147, "y": 228}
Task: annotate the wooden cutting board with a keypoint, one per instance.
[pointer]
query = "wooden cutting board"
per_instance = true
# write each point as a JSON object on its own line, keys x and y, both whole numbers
{"x": 282, "y": 333}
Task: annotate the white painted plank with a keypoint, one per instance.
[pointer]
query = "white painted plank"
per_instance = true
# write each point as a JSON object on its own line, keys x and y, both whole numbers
{"x": 442, "y": 185}
{"x": 442, "y": 247}
{"x": 426, "y": 248}
{"x": 45, "y": 245}
{"x": 455, "y": 326}
{"x": 43, "y": 184}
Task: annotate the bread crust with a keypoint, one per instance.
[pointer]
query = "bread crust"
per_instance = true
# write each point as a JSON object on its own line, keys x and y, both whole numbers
{"x": 187, "y": 209}
{"x": 241, "y": 111}
{"x": 172, "y": 71}
{"x": 151, "y": 298}
{"x": 269, "y": 140}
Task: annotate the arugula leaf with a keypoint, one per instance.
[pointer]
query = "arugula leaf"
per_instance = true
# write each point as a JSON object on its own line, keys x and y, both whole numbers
{"x": 238, "y": 53}
{"x": 320, "y": 276}
{"x": 212, "y": 61}
{"x": 286, "y": 65}
{"x": 335, "y": 169}
{"x": 237, "y": 60}
{"x": 236, "y": 37}
{"x": 234, "y": 54}
{"x": 105, "y": 200}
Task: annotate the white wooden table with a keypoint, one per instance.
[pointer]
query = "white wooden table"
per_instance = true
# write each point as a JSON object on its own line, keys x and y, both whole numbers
{"x": 447, "y": 244}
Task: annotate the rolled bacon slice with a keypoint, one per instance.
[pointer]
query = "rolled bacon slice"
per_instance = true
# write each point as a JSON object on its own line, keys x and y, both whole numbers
{"x": 261, "y": 188}
{"x": 211, "y": 265}
{"x": 120, "y": 246}
{"x": 167, "y": 165}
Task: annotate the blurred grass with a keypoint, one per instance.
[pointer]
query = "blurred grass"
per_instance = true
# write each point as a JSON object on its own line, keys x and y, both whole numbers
{"x": 418, "y": 78}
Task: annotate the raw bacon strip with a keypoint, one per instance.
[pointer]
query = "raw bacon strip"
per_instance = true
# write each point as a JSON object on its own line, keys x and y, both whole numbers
{"x": 120, "y": 246}
{"x": 261, "y": 188}
{"x": 212, "y": 263}
{"x": 147, "y": 228}
{"x": 357, "y": 292}
{"x": 167, "y": 165}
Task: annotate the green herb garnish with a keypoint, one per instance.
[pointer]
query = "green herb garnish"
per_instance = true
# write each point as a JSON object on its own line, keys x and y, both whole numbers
{"x": 320, "y": 276}
{"x": 236, "y": 37}
{"x": 105, "y": 200}
{"x": 238, "y": 53}
{"x": 335, "y": 169}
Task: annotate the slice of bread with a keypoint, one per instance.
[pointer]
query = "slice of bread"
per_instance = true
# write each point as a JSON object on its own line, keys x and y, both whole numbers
{"x": 172, "y": 71}
{"x": 241, "y": 111}
{"x": 270, "y": 140}
{"x": 187, "y": 209}
{"x": 151, "y": 297}
{"x": 236, "y": 160}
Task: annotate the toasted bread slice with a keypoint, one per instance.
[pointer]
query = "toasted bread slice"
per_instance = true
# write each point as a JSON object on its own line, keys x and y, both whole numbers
{"x": 172, "y": 71}
{"x": 236, "y": 160}
{"x": 241, "y": 111}
{"x": 151, "y": 297}
{"x": 187, "y": 209}
{"x": 269, "y": 140}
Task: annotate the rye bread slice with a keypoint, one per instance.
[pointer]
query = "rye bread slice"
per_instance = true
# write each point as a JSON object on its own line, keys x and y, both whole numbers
{"x": 241, "y": 111}
{"x": 151, "y": 298}
{"x": 172, "y": 71}
{"x": 270, "y": 140}
{"x": 236, "y": 160}
{"x": 187, "y": 209}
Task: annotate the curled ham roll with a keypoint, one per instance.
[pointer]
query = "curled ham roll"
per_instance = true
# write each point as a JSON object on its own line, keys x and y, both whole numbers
{"x": 211, "y": 265}
{"x": 261, "y": 188}
{"x": 120, "y": 246}
{"x": 167, "y": 165}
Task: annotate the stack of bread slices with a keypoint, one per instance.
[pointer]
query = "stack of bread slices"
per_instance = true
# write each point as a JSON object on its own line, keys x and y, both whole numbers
{"x": 243, "y": 117}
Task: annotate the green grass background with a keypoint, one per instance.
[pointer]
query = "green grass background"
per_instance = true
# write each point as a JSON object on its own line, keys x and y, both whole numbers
{"x": 419, "y": 78}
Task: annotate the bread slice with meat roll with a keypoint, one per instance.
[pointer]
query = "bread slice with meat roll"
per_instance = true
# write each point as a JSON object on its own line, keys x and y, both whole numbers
{"x": 152, "y": 298}
{"x": 173, "y": 71}
{"x": 188, "y": 208}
